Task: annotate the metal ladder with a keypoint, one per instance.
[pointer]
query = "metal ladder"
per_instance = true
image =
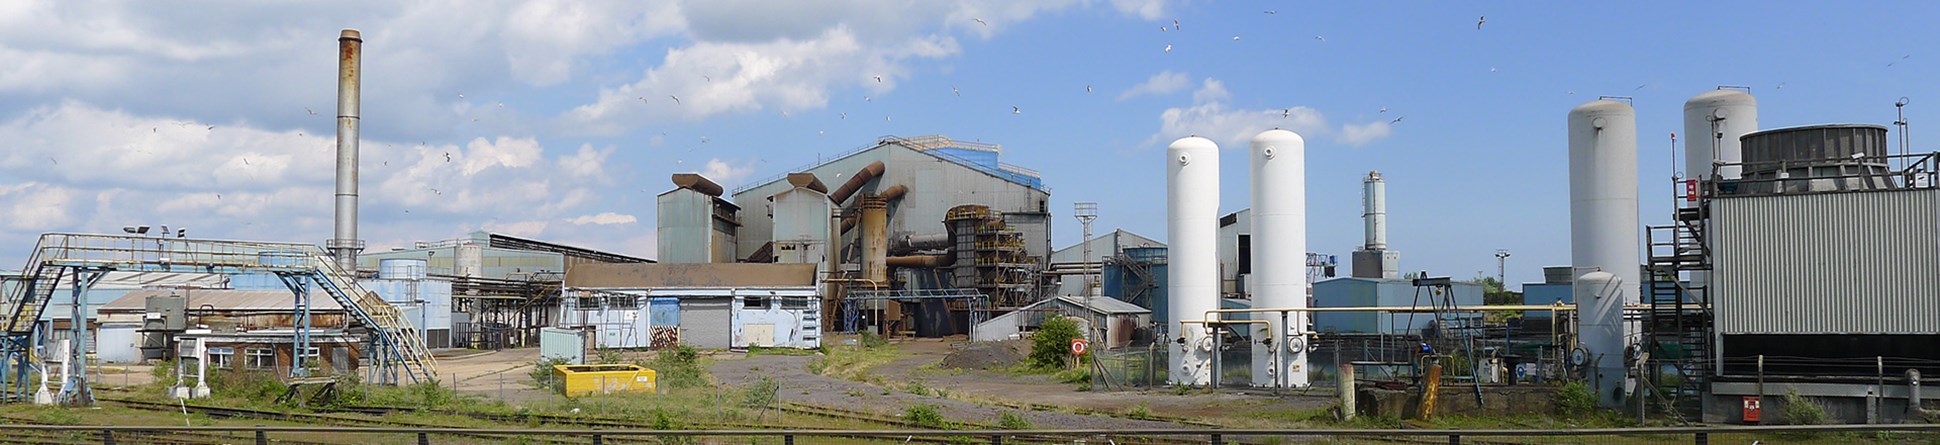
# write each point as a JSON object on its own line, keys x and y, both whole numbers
{"x": 1678, "y": 322}
{"x": 401, "y": 346}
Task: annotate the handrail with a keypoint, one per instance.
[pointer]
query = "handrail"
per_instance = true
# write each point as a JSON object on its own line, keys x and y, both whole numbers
{"x": 1922, "y": 428}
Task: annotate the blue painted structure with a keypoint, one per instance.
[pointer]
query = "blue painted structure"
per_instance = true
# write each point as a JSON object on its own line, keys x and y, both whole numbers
{"x": 1368, "y": 292}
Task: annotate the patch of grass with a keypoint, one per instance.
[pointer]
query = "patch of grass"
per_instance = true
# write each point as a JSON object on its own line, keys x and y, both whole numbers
{"x": 852, "y": 363}
{"x": 541, "y": 373}
{"x": 925, "y": 415}
{"x": 1079, "y": 376}
{"x": 852, "y": 392}
{"x": 680, "y": 367}
{"x": 755, "y": 351}
{"x": 1800, "y": 410}
{"x": 1012, "y": 420}
{"x": 1140, "y": 412}
{"x": 57, "y": 416}
{"x": 871, "y": 340}
{"x": 1575, "y": 398}
{"x": 761, "y": 393}
{"x": 609, "y": 356}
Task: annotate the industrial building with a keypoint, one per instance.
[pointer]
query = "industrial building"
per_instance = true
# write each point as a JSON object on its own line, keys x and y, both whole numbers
{"x": 1394, "y": 293}
{"x": 1117, "y": 324}
{"x": 720, "y": 306}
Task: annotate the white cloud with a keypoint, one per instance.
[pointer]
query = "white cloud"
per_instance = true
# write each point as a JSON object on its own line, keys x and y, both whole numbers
{"x": 1353, "y": 134}
{"x": 725, "y": 173}
{"x": 1209, "y": 116}
{"x": 1165, "y": 82}
{"x": 1144, "y": 9}
{"x": 35, "y": 206}
{"x": 604, "y": 218}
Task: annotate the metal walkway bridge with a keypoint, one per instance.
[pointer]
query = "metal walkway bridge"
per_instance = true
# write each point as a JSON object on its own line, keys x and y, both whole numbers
{"x": 395, "y": 352}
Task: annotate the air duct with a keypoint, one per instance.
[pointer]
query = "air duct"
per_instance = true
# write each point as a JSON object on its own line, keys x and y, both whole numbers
{"x": 1279, "y": 164}
{"x": 856, "y": 182}
{"x": 1192, "y": 226}
{"x": 698, "y": 183}
{"x": 345, "y": 245}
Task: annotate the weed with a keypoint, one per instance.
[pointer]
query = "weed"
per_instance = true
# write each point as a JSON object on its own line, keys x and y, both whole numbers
{"x": 57, "y": 416}
{"x": 679, "y": 367}
{"x": 925, "y": 415}
{"x": 610, "y": 356}
{"x": 916, "y": 388}
{"x": 1140, "y": 412}
{"x": 1575, "y": 398}
{"x": 1181, "y": 389}
{"x": 164, "y": 372}
{"x": 871, "y": 340}
{"x": 541, "y": 373}
{"x": 852, "y": 392}
{"x": 1011, "y": 420}
{"x": 761, "y": 393}
{"x": 1080, "y": 377}
{"x": 1800, "y": 410}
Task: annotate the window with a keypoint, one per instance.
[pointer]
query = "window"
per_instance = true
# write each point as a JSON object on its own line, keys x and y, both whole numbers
{"x": 754, "y": 302}
{"x": 622, "y": 303}
{"x": 259, "y": 358}
{"x": 312, "y": 357}
{"x": 222, "y": 358}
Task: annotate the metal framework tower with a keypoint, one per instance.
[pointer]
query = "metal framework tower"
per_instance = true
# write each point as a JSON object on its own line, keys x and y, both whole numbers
{"x": 1087, "y": 212}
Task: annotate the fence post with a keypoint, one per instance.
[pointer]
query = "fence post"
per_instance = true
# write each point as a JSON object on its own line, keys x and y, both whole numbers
{"x": 107, "y": 437}
{"x": 788, "y": 439}
{"x": 996, "y": 439}
{"x": 262, "y": 437}
{"x": 1454, "y": 439}
{"x": 597, "y": 440}
{"x": 1701, "y": 439}
{"x": 1216, "y": 440}
{"x": 424, "y": 438}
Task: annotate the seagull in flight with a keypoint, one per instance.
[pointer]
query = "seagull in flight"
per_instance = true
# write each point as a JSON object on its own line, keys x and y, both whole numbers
{"x": 643, "y": 99}
{"x": 953, "y": 89}
{"x": 1890, "y": 64}
{"x": 1272, "y": 12}
{"x": 1479, "y": 20}
{"x": 461, "y": 95}
{"x": 1168, "y": 48}
{"x": 1015, "y": 110}
{"x": 980, "y": 21}
{"x": 1640, "y": 86}
{"x": 1175, "y": 24}
{"x": 1384, "y": 109}
{"x": 1320, "y": 38}
{"x": 447, "y": 156}
{"x": 1236, "y": 37}
{"x": 675, "y": 98}
{"x": 312, "y": 112}
{"x": 844, "y": 115}
{"x": 1284, "y": 112}
{"x": 878, "y": 79}
{"x": 1087, "y": 89}
{"x": 1397, "y": 120}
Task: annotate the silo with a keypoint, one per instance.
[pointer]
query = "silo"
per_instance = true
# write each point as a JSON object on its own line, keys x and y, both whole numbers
{"x": 1713, "y": 122}
{"x": 1192, "y": 226}
{"x": 1280, "y": 256}
{"x": 1603, "y": 215}
{"x": 1600, "y": 332}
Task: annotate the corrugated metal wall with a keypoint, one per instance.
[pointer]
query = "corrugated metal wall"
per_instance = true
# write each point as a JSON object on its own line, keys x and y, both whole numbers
{"x": 685, "y": 223}
{"x": 1833, "y": 263}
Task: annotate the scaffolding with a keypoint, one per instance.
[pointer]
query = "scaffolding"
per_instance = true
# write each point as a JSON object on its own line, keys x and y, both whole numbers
{"x": 397, "y": 352}
{"x": 991, "y": 257}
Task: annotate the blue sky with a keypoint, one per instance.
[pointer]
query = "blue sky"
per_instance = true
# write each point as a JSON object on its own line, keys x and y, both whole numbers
{"x": 117, "y": 113}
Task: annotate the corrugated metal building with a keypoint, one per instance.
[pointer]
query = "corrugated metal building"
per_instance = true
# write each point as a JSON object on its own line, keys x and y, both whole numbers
{"x": 1235, "y": 252}
{"x": 696, "y": 227}
{"x": 735, "y": 305}
{"x": 1102, "y": 247}
{"x": 1120, "y": 323}
{"x": 939, "y": 173}
{"x": 1367, "y": 292}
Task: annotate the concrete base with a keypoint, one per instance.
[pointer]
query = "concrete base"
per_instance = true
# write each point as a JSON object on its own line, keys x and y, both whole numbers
{"x": 1846, "y": 403}
{"x": 184, "y": 392}
{"x": 43, "y": 396}
{"x": 1459, "y": 399}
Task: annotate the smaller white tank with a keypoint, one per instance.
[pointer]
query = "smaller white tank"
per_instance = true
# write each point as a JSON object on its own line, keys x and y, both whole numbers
{"x": 1600, "y": 333}
{"x": 401, "y": 269}
{"x": 1713, "y": 122}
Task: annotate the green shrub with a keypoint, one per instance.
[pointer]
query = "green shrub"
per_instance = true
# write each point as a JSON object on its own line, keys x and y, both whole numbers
{"x": 1051, "y": 344}
{"x": 761, "y": 393}
{"x": 1140, "y": 412}
{"x": 1011, "y": 420}
{"x": 610, "y": 356}
{"x": 1799, "y": 410}
{"x": 164, "y": 372}
{"x": 1575, "y": 398}
{"x": 251, "y": 386}
{"x": 541, "y": 373}
{"x": 678, "y": 367}
{"x": 869, "y": 339}
{"x": 925, "y": 415}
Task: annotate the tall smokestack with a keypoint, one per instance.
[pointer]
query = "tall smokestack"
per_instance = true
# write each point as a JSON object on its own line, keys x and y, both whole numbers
{"x": 350, "y": 48}
{"x": 1374, "y": 209}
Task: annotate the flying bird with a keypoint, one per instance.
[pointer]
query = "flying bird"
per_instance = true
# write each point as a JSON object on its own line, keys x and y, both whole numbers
{"x": 704, "y": 77}
{"x": 953, "y": 89}
{"x": 675, "y": 98}
{"x": 1162, "y": 28}
{"x": 1491, "y": 69}
{"x": 843, "y": 116}
{"x": 436, "y": 192}
{"x": 1272, "y": 12}
{"x": 55, "y": 161}
{"x": 1168, "y": 48}
{"x": 447, "y": 156}
{"x": 980, "y": 21}
{"x": 1890, "y": 64}
{"x": 1284, "y": 112}
{"x": 1320, "y": 38}
{"x": 866, "y": 99}
{"x": 1175, "y": 24}
{"x": 1236, "y": 37}
{"x": 1015, "y": 110}
{"x": 1384, "y": 109}
{"x": 1087, "y": 88}
{"x": 212, "y": 128}
{"x": 501, "y": 104}
{"x": 1479, "y": 20}
{"x": 1781, "y": 86}
{"x": 1397, "y": 120}
{"x": 461, "y": 95}
{"x": 643, "y": 99}
{"x": 312, "y": 112}
{"x": 878, "y": 79}
{"x": 1640, "y": 86}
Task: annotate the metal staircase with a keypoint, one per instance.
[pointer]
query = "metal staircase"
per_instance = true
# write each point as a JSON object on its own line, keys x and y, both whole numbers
{"x": 1677, "y": 324}
{"x": 396, "y": 352}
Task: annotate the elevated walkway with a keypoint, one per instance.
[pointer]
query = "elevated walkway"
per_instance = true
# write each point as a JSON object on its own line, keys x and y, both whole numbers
{"x": 396, "y": 353}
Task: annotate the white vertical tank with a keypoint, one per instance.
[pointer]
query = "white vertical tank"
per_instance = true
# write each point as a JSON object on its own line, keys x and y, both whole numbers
{"x": 1713, "y": 121}
{"x": 1603, "y": 212}
{"x": 1279, "y": 160}
{"x": 1374, "y": 210}
{"x": 1192, "y": 229}
{"x": 1600, "y": 332}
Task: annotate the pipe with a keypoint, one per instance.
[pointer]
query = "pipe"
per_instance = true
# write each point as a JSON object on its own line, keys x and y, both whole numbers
{"x": 875, "y": 238}
{"x": 698, "y": 183}
{"x": 893, "y": 193}
{"x": 856, "y": 182}
{"x": 350, "y": 49}
{"x": 1914, "y": 404}
{"x": 922, "y": 261}
{"x": 807, "y": 181}
{"x": 920, "y": 241}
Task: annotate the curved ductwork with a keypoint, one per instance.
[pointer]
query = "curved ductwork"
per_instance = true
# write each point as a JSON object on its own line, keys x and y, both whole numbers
{"x": 856, "y": 182}
{"x": 923, "y": 261}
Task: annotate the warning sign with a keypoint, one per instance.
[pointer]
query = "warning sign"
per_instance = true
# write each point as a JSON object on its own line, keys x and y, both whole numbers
{"x": 1078, "y": 346}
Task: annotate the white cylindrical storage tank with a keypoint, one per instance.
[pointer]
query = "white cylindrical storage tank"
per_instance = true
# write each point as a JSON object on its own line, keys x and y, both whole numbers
{"x": 1279, "y": 161}
{"x": 1374, "y": 210}
{"x": 401, "y": 268}
{"x": 1713, "y": 122}
{"x": 1603, "y": 210}
{"x": 1600, "y": 333}
{"x": 1192, "y": 228}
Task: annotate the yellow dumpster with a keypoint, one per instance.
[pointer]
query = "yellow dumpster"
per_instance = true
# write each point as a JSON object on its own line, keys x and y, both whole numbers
{"x": 579, "y": 380}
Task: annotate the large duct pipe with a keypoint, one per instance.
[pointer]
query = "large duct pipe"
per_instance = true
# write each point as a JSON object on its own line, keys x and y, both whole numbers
{"x": 1279, "y": 164}
{"x": 856, "y": 182}
{"x": 923, "y": 261}
{"x": 919, "y": 241}
{"x": 345, "y": 245}
{"x": 1713, "y": 122}
{"x": 1603, "y": 216}
{"x": 1600, "y": 332}
{"x": 807, "y": 181}
{"x": 888, "y": 195}
{"x": 1192, "y": 226}
{"x": 875, "y": 239}
{"x": 1374, "y": 211}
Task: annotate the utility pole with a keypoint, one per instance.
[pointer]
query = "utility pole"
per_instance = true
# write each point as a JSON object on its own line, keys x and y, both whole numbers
{"x": 1086, "y": 212}
{"x": 1502, "y": 268}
